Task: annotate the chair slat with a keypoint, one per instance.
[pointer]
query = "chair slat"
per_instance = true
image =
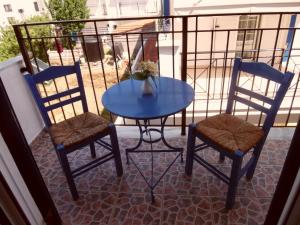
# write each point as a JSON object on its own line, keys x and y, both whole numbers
{"x": 251, "y": 104}
{"x": 262, "y": 70}
{"x": 63, "y": 103}
{"x": 53, "y": 72}
{"x": 61, "y": 94}
{"x": 254, "y": 95}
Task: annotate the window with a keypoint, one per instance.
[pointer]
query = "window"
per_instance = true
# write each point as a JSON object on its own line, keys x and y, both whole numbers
{"x": 36, "y": 6}
{"x": 247, "y": 22}
{"x": 104, "y": 9}
{"x": 7, "y": 8}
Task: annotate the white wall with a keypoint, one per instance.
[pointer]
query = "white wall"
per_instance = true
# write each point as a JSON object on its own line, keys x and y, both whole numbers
{"x": 129, "y": 8}
{"x": 26, "y": 5}
{"x": 21, "y": 98}
{"x": 17, "y": 185}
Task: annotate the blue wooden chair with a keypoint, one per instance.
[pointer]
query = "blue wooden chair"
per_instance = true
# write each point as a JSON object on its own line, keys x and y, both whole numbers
{"x": 76, "y": 132}
{"x": 233, "y": 137}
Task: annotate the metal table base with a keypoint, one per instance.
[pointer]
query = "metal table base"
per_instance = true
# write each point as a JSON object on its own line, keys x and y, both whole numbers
{"x": 145, "y": 130}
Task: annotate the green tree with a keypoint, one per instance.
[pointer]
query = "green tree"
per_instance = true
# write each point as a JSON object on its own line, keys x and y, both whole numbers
{"x": 9, "y": 46}
{"x": 69, "y": 10}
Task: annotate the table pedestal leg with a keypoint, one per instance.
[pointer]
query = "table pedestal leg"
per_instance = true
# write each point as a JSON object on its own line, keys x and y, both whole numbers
{"x": 152, "y": 183}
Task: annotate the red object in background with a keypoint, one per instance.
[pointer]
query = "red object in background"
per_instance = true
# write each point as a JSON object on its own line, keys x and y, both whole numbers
{"x": 58, "y": 45}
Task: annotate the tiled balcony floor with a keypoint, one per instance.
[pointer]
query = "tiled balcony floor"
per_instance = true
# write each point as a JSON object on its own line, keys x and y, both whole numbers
{"x": 107, "y": 199}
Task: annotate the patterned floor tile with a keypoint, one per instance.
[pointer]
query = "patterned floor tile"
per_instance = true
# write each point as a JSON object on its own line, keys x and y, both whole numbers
{"x": 186, "y": 209}
{"x": 180, "y": 199}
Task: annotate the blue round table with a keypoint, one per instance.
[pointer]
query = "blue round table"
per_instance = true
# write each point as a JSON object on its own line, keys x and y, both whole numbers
{"x": 126, "y": 100}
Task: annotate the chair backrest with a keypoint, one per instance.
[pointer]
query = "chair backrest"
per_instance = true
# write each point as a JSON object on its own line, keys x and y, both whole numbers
{"x": 264, "y": 71}
{"x": 52, "y": 73}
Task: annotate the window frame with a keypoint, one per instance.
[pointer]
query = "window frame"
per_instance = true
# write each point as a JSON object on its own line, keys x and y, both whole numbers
{"x": 7, "y": 7}
{"x": 36, "y": 6}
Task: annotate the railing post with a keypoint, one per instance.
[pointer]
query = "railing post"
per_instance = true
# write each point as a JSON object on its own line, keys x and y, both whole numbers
{"x": 184, "y": 66}
{"x": 23, "y": 49}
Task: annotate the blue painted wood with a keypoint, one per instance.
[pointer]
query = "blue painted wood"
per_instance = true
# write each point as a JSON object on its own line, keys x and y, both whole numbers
{"x": 37, "y": 97}
{"x": 60, "y": 95}
{"x": 251, "y": 104}
{"x": 255, "y": 95}
{"x": 262, "y": 70}
{"x": 56, "y": 72}
{"x": 53, "y": 72}
{"x": 50, "y": 74}
{"x": 125, "y": 99}
{"x": 166, "y": 7}
{"x": 63, "y": 103}
{"x": 237, "y": 171}
{"x": 235, "y": 73}
{"x": 81, "y": 87}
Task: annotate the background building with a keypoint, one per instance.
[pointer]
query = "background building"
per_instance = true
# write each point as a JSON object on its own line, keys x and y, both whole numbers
{"x": 19, "y": 10}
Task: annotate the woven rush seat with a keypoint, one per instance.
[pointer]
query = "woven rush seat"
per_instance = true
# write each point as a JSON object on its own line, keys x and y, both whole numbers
{"x": 77, "y": 129}
{"x": 230, "y": 133}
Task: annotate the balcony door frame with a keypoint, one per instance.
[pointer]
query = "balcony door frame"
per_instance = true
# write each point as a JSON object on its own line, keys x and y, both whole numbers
{"x": 20, "y": 151}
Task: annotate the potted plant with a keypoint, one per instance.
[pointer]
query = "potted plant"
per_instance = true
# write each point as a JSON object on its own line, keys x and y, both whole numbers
{"x": 147, "y": 70}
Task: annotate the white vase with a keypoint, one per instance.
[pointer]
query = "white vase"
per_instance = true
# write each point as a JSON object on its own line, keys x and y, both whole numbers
{"x": 147, "y": 88}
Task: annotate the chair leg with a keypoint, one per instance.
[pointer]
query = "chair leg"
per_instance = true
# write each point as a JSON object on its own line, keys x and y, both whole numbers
{"x": 93, "y": 151}
{"x": 256, "y": 154}
{"x": 67, "y": 170}
{"x": 190, "y": 150}
{"x": 233, "y": 181}
{"x": 116, "y": 150}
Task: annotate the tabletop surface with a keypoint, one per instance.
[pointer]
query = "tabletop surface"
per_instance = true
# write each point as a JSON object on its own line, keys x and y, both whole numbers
{"x": 126, "y": 99}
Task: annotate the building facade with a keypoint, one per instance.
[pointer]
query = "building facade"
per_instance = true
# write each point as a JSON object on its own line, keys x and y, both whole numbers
{"x": 16, "y": 10}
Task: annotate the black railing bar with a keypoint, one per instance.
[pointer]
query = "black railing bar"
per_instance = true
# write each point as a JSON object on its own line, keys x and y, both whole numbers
{"x": 288, "y": 60}
{"x": 229, "y": 77}
{"x": 114, "y": 55}
{"x": 293, "y": 98}
{"x": 246, "y": 29}
{"x": 168, "y": 32}
{"x": 209, "y": 70}
{"x": 45, "y": 50}
{"x": 290, "y": 51}
{"x": 71, "y": 48}
{"x": 272, "y": 63}
{"x": 49, "y": 63}
{"x": 142, "y": 44}
{"x": 129, "y": 58}
{"x": 173, "y": 59}
{"x": 114, "y": 34}
{"x": 224, "y": 70}
{"x": 73, "y": 57}
{"x": 276, "y": 39}
{"x": 91, "y": 76}
{"x": 67, "y": 84}
{"x": 207, "y": 59}
{"x": 214, "y": 86}
{"x": 233, "y": 51}
{"x": 116, "y": 63}
{"x": 195, "y": 69}
{"x": 253, "y": 80}
{"x": 158, "y": 60}
{"x": 154, "y": 17}
{"x": 31, "y": 47}
{"x": 100, "y": 55}
{"x": 239, "y": 75}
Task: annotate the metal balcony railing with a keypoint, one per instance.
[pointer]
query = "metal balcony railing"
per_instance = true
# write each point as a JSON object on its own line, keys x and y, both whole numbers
{"x": 193, "y": 48}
